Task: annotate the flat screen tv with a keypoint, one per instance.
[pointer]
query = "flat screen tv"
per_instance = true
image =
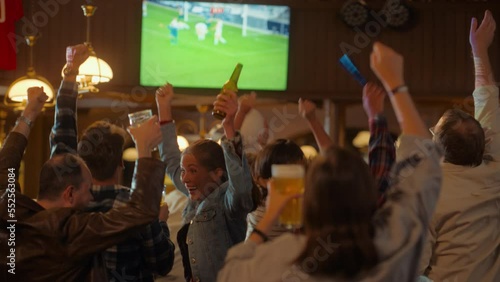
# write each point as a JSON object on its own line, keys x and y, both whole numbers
{"x": 198, "y": 44}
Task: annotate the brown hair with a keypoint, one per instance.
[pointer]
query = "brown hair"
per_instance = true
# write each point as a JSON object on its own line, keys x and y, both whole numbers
{"x": 339, "y": 203}
{"x": 58, "y": 173}
{"x": 101, "y": 147}
{"x": 462, "y": 138}
{"x": 257, "y": 197}
{"x": 209, "y": 154}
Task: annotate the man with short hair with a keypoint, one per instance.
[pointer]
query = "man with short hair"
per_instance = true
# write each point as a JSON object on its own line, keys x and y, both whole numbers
{"x": 148, "y": 253}
{"x": 463, "y": 243}
{"x": 60, "y": 190}
{"x": 53, "y": 239}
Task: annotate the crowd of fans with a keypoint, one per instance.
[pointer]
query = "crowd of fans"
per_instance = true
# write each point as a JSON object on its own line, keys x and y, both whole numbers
{"x": 427, "y": 210}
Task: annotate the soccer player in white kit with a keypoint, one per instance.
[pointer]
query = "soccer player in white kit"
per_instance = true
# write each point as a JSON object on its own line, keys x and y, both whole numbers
{"x": 218, "y": 33}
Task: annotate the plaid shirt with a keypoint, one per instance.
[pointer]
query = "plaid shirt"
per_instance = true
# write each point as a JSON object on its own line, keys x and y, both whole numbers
{"x": 381, "y": 155}
{"x": 145, "y": 253}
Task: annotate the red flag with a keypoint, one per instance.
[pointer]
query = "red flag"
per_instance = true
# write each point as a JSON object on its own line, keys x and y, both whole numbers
{"x": 10, "y": 12}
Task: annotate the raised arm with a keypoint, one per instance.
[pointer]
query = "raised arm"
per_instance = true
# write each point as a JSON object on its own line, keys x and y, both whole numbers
{"x": 157, "y": 248}
{"x": 480, "y": 39}
{"x": 227, "y": 102}
{"x": 381, "y": 150}
{"x": 239, "y": 192}
{"x": 401, "y": 223}
{"x": 487, "y": 111}
{"x": 388, "y": 66}
{"x": 63, "y": 136}
{"x": 87, "y": 233}
{"x": 307, "y": 110}
{"x": 245, "y": 104}
{"x": 14, "y": 145}
{"x": 169, "y": 149}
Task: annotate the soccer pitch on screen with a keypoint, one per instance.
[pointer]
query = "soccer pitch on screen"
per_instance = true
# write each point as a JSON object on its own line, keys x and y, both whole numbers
{"x": 201, "y": 49}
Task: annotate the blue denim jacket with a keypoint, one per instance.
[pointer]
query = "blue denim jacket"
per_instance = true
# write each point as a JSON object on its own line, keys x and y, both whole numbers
{"x": 219, "y": 221}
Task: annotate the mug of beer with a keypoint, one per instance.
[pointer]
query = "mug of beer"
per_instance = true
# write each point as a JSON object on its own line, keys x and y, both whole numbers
{"x": 289, "y": 179}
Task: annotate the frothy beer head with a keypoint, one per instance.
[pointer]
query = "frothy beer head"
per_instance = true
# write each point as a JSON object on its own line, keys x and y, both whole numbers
{"x": 287, "y": 171}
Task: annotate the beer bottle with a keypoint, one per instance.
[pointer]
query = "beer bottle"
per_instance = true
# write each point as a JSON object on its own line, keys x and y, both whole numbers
{"x": 231, "y": 84}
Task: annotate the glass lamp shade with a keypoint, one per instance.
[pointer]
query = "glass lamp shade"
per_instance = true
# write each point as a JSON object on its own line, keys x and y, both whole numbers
{"x": 182, "y": 142}
{"x": 362, "y": 139}
{"x": 309, "y": 151}
{"x": 93, "y": 71}
{"x": 18, "y": 90}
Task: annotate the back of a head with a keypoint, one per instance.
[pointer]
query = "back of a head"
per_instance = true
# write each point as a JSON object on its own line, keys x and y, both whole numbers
{"x": 58, "y": 173}
{"x": 281, "y": 151}
{"x": 339, "y": 203}
{"x": 101, "y": 147}
{"x": 462, "y": 138}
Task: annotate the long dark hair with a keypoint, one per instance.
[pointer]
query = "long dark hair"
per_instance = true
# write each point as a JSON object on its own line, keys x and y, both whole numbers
{"x": 339, "y": 203}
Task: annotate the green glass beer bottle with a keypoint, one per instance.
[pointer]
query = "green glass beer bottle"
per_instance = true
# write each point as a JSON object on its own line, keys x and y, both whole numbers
{"x": 231, "y": 84}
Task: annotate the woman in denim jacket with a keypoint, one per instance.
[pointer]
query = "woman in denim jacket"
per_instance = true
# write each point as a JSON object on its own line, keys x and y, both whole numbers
{"x": 217, "y": 180}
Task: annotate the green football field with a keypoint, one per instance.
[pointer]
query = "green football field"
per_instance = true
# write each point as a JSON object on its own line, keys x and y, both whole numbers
{"x": 201, "y": 64}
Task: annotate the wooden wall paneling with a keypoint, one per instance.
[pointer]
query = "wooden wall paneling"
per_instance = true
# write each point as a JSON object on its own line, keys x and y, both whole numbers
{"x": 133, "y": 44}
{"x": 416, "y": 58}
{"x": 297, "y": 52}
{"x": 342, "y": 35}
{"x": 331, "y": 50}
{"x": 292, "y": 49}
{"x": 322, "y": 64}
{"x": 462, "y": 45}
{"x": 438, "y": 50}
{"x": 450, "y": 53}
{"x": 309, "y": 43}
{"x": 427, "y": 44}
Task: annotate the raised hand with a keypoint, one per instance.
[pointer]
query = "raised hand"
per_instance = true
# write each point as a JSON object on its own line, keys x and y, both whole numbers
{"x": 34, "y": 105}
{"x": 164, "y": 96}
{"x": 387, "y": 64}
{"x": 373, "y": 99}
{"x": 481, "y": 37}
{"x": 146, "y": 136}
{"x": 307, "y": 109}
{"x": 247, "y": 102}
{"x": 76, "y": 55}
{"x": 227, "y": 102}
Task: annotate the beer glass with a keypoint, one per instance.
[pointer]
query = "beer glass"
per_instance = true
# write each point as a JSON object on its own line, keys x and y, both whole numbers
{"x": 138, "y": 118}
{"x": 289, "y": 179}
